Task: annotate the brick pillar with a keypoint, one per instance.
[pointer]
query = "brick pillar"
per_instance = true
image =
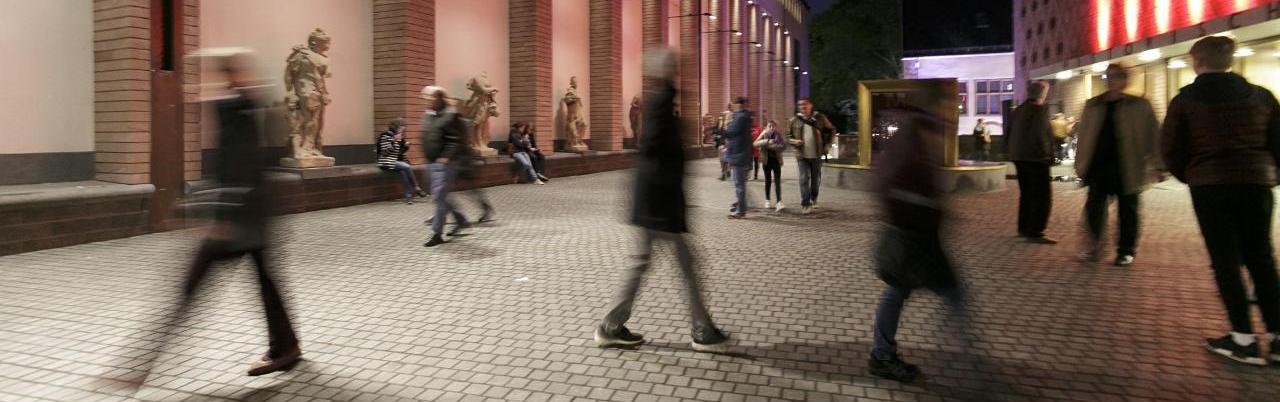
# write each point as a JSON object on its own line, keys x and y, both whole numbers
{"x": 737, "y": 52}
{"x": 191, "y": 92}
{"x": 606, "y": 75}
{"x": 530, "y": 48}
{"x": 718, "y": 82}
{"x": 763, "y": 97}
{"x": 122, "y": 90}
{"x": 653, "y": 29}
{"x": 691, "y": 70}
{"x": 753, "y": 61}
{"x": 404, "y": 51}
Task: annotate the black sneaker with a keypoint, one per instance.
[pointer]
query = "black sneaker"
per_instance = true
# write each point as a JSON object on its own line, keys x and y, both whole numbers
{"x": 619, "y": 337}
{"x": 893, "y": 368}
{"x": 421, "y": 194}
{"x": 1228, "y": 348}
{"x": 1275, "y": 351}
{"x": 458, "y": 228}
{"x": 435, "y": 241}
{"x": 1124, "y": 260}
{"x": 710, "y": 341}
{"x": 543, "y": 177}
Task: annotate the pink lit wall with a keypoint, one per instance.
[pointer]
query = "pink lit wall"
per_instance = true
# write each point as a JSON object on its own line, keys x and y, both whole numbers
{"x": 472, "y": 38}
{"x": 571, "y": 56}
{"x": 632, "y": 43}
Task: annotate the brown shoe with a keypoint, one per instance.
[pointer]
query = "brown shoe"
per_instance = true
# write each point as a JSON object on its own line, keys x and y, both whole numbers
{"x": 270, "y": 365}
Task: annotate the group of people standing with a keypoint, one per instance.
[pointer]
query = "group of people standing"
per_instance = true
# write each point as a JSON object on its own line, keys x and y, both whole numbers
{"x": 1221, "y": 136}
{"x": 809, "y": 133}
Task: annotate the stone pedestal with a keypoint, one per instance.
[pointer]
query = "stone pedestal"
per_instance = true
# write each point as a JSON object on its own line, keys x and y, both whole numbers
{"x": 485, "y": 151}
{"x": 306, "y": 163}
{"x": 578, "y": 149}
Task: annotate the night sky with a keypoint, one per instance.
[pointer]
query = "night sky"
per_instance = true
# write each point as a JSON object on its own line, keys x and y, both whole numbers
{"x": 944, "y": 24}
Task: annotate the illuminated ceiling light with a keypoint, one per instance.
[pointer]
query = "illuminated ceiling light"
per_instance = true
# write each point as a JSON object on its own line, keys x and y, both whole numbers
{"x": 751, "y": 2}
{"x": 788, "y": 32}
{"x": 795, "y": 68}
{"x": 759, "y": 45}
{"x": 804, "y": 73}
{"x": 1242, "y": 5}
{"x": 1176, "y": 64}
{"x": 1150, "y": 55}
{"x": 764, "y": 14}
{"x": 739, "y": 33}
{"x": 1065, "y": 75}
{"x": 1099, "y": 67}
{"x": 1244, "y": 52}
{"x": 711, "y": 17}
{"x": 786, "y": 62}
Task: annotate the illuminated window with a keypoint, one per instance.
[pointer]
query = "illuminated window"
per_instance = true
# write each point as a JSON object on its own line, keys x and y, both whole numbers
{"x": 988, "y": 95}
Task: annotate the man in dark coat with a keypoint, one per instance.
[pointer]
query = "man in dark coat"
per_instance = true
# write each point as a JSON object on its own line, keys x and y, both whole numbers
{"x": 443, "y": 143}
{"x": 737, "y": 154}
{"x": 1030, "y": 149}
{"x": 659, "y": 211}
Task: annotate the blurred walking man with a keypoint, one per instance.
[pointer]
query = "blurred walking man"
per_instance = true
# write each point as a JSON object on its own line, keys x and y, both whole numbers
{"x": 1118, "y": 156}
{"x": 443, "y": 132}
{"x": 1030, "y": 144}
{"x": 810, "y": 133}
{"x": 659, "y": 211}
{"x": 240, "y": 226}
{"x": 1222, "y": 137}
{"x": 737, "y": 139}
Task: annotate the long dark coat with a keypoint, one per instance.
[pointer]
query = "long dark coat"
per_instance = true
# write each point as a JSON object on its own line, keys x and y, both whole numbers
{"x": 659, "y": 201}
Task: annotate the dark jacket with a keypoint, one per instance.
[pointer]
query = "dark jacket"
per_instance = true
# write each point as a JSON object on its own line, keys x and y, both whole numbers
{"x": 737, "y": 139}
{"x": 1030, "y": 134}
{"x": 1222, "y": 130}
{"x": 658, "y": 201}
{"x": 1137, "y": 137}
{"x": 443, "y": 135}
{"x": 240, "y": 166}
{"x": 518, "y": 142}
{"x": 823, "y": 130}
{"x": 910, "y": 253}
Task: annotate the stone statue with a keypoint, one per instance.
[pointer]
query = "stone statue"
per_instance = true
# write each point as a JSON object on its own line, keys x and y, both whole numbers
{"x": 306, "y": 97}
{"x": 479, "y": 108}
{"x": 635, "y": 116}
{"x": 575, "y": 127}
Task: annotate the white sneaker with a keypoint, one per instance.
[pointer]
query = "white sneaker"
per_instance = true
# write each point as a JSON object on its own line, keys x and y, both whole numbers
{"x": 806, "y": 210}
{"x": 539, "y": 182}
{"x": 768, "y": 204}
{"x": 779, "y": 207}
{"x": 814, "y": 205}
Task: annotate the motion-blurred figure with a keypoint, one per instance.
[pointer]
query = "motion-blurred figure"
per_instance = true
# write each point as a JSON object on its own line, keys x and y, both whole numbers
{"x": 1222, "y": 137}
{"x": 444, "y": 142}
{"x": 1030, "y": 143}
{"x": 241, "y": 222}
{"x": 910, "y": 254}
{"x": 737, "y": 138}
{"x": 659, "y": 211}
{"x": 1118, "y": 156}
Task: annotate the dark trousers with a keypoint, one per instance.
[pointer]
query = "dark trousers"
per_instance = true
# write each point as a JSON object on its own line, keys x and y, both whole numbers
{"x": 1235, "y": 221}
{"x": 279, "y": 329}
{"x": 755, "y": 168}
{"x": 773, "y": 177}
{"x": 539, "y": 162}
{"x": 810, "y": 180}
{"x": 1095, "y": 212}
{"x": 1036, "y": 200}
{"x": 620, "y": 312}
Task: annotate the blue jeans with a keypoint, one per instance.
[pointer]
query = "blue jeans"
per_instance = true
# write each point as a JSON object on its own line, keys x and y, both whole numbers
{"x": 441, "y": 177}
{"x": 525, "y": 164}
{"x": 406, "y": 177}
{"x": 810, "y": 180}
{"x": 889, "y": 312}
{"x": 740, "y": 186}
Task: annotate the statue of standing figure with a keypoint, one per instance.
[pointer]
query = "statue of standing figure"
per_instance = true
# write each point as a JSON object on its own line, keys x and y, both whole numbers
{"x": 306, "y": 97}
{"x": 575, "y": 127}
{"x": 635, "y": 116}
{"x": 479, "y": 108}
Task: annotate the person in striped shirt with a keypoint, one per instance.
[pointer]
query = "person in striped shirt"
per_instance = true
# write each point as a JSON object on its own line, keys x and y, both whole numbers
{"x": 391, "y": 150}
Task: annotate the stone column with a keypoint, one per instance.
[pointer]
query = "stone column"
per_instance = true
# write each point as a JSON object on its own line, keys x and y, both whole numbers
{"x": 606, "y": 76}
{"x": 765, "y": 95}
{"x": 403, "y": 62}
{"x": 753, "y": 60}
{"x": 122, "y": 90}
{"x": 530, "y": 49}
{"x": 191, "y": 111}
{"x": 718, "y": 81}
{"x": 653, "y": 29}
{"x": 691, "y": 69}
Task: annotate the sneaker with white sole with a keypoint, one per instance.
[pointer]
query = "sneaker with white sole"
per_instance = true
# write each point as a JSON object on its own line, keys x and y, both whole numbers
{"x": 768, "y": 204}
{"x": 1228, "y": 348}
{"x": 618, "y": 337}
{"x": 710, "y": 340}
{"x": 779, "y": 207}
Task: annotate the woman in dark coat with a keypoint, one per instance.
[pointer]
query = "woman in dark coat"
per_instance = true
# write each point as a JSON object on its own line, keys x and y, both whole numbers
{"x": 659, "y": 211}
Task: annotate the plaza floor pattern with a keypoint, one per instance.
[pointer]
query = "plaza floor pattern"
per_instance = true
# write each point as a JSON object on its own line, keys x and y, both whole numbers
{"x": 506, "y": 313}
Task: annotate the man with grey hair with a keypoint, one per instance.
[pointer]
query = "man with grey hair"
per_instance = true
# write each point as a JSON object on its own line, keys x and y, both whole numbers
{"x": 659, "y": 209}
{"x": 1222, "y": 137}
{"x": 444, "y": 135}
{"x": 1030, "y": 149}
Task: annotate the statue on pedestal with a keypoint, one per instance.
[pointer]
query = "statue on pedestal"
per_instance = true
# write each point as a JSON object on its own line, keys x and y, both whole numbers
{"x": 306, "y": 97}
{"x": 635, "y": 116}
{"x": 575, "y": 127}
{"x": 479, "y": 108}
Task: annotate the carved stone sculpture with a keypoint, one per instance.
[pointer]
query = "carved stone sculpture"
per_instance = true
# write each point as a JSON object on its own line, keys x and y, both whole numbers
{"x": 575, "y": 127}
{"x": 481, "y": 106}
{"x": 635, "y": 116}
{"x": 306, "y": 97}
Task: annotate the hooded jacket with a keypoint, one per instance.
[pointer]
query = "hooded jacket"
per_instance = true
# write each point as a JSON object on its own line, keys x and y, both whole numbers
{"x": 1222, "y": 130}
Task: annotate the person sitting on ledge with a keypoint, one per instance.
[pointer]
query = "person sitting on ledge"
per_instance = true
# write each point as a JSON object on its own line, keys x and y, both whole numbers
{"x": 391, "y": 149}
{"x": 520, "y": 150}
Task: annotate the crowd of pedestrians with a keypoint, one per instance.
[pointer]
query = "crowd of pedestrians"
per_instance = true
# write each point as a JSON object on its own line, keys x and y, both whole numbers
{"x": 1221, "y": 136}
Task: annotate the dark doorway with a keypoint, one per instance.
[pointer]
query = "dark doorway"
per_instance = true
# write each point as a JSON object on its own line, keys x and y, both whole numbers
{"x": 166, "y": 110}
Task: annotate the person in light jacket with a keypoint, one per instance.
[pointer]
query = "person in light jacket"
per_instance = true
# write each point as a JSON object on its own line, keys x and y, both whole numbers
{"x": 1117, "y": 157}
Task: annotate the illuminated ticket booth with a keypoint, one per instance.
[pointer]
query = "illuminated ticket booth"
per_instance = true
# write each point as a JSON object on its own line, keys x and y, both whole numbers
{"x": 877, "y": 125}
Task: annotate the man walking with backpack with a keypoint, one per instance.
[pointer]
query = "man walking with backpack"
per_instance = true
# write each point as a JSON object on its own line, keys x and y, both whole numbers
{"x": 810, "y": 133}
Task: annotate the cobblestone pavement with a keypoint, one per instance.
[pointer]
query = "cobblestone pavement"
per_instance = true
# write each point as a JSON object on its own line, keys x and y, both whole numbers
{"x": 506, "y": 313}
